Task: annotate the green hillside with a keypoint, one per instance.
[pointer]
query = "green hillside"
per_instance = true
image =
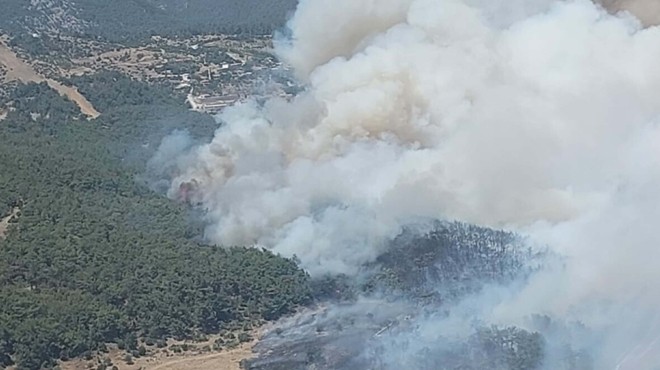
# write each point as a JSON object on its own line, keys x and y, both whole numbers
{"x": 131, "y": 20}
{"x": 94, "y": 256}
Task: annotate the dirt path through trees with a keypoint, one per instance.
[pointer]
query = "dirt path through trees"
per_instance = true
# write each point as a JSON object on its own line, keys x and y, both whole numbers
{"x": 19, "y": 70}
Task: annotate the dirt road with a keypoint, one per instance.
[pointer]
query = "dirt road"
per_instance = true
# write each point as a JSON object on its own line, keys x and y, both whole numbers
{"x": 228, "y": 359}
{"x": 19, "y": 70}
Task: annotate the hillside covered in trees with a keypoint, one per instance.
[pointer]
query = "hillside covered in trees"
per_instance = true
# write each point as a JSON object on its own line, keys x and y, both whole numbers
{"x": 93, "y": 256}
{"x": 401, "y": 314}
{"x": 131, "y": 20}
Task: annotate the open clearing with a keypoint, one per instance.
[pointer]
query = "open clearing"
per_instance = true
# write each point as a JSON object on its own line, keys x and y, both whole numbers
{"x": 19, "y": 70}
{"x": 228, "y": 359}
{"x": 4, "y": 223}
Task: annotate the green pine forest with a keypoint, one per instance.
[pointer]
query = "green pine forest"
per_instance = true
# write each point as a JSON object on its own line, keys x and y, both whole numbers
{"x": 94, "y": 256}
{"x": 133, "y": 21}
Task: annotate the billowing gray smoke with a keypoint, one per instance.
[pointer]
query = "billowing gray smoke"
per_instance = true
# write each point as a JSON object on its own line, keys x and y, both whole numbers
{"x": 537, "y": 116}
{"x": 648, "y": 11}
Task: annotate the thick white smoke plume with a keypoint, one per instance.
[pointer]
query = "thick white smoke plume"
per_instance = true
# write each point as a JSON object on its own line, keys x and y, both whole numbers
{"x": 539, "y": 116}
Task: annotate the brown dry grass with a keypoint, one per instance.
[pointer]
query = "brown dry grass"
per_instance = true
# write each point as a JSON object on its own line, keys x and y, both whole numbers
{"x": 225, "y": 360}
{"x": 157, "y": 359}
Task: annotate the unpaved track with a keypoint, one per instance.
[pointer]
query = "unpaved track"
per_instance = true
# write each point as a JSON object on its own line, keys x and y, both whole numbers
{"x": 228, "y": 359}
{"x": 225, "y": 360}
{"x": 19, "y": 70}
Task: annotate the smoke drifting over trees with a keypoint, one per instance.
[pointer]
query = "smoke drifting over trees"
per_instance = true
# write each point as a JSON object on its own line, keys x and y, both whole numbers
{"x": 536, "y": 116}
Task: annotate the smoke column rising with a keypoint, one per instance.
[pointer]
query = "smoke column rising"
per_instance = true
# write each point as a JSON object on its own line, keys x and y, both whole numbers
{"x": 537, "y": 116}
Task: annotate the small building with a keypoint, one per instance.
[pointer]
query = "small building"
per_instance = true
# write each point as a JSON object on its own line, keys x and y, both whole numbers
{"x": 211, "y": 104}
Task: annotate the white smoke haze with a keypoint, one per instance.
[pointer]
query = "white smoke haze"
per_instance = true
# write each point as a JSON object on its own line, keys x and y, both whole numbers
{"x": 536, "y": 116}
{"x": 170, "y": 156}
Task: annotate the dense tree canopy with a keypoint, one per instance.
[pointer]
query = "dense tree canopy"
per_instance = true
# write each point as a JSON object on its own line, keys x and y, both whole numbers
{"x": 111, "y": 90}
{"x": 95, "y": 257}
{"x": 127, "y": 21}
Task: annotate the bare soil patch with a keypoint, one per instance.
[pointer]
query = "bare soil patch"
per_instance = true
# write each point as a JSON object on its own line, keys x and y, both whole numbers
{"x": 4, "y": 223}
{"x": 199, "y": 357}
{"x": 72, "y": 93}
{"x": 19, "y": 70}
